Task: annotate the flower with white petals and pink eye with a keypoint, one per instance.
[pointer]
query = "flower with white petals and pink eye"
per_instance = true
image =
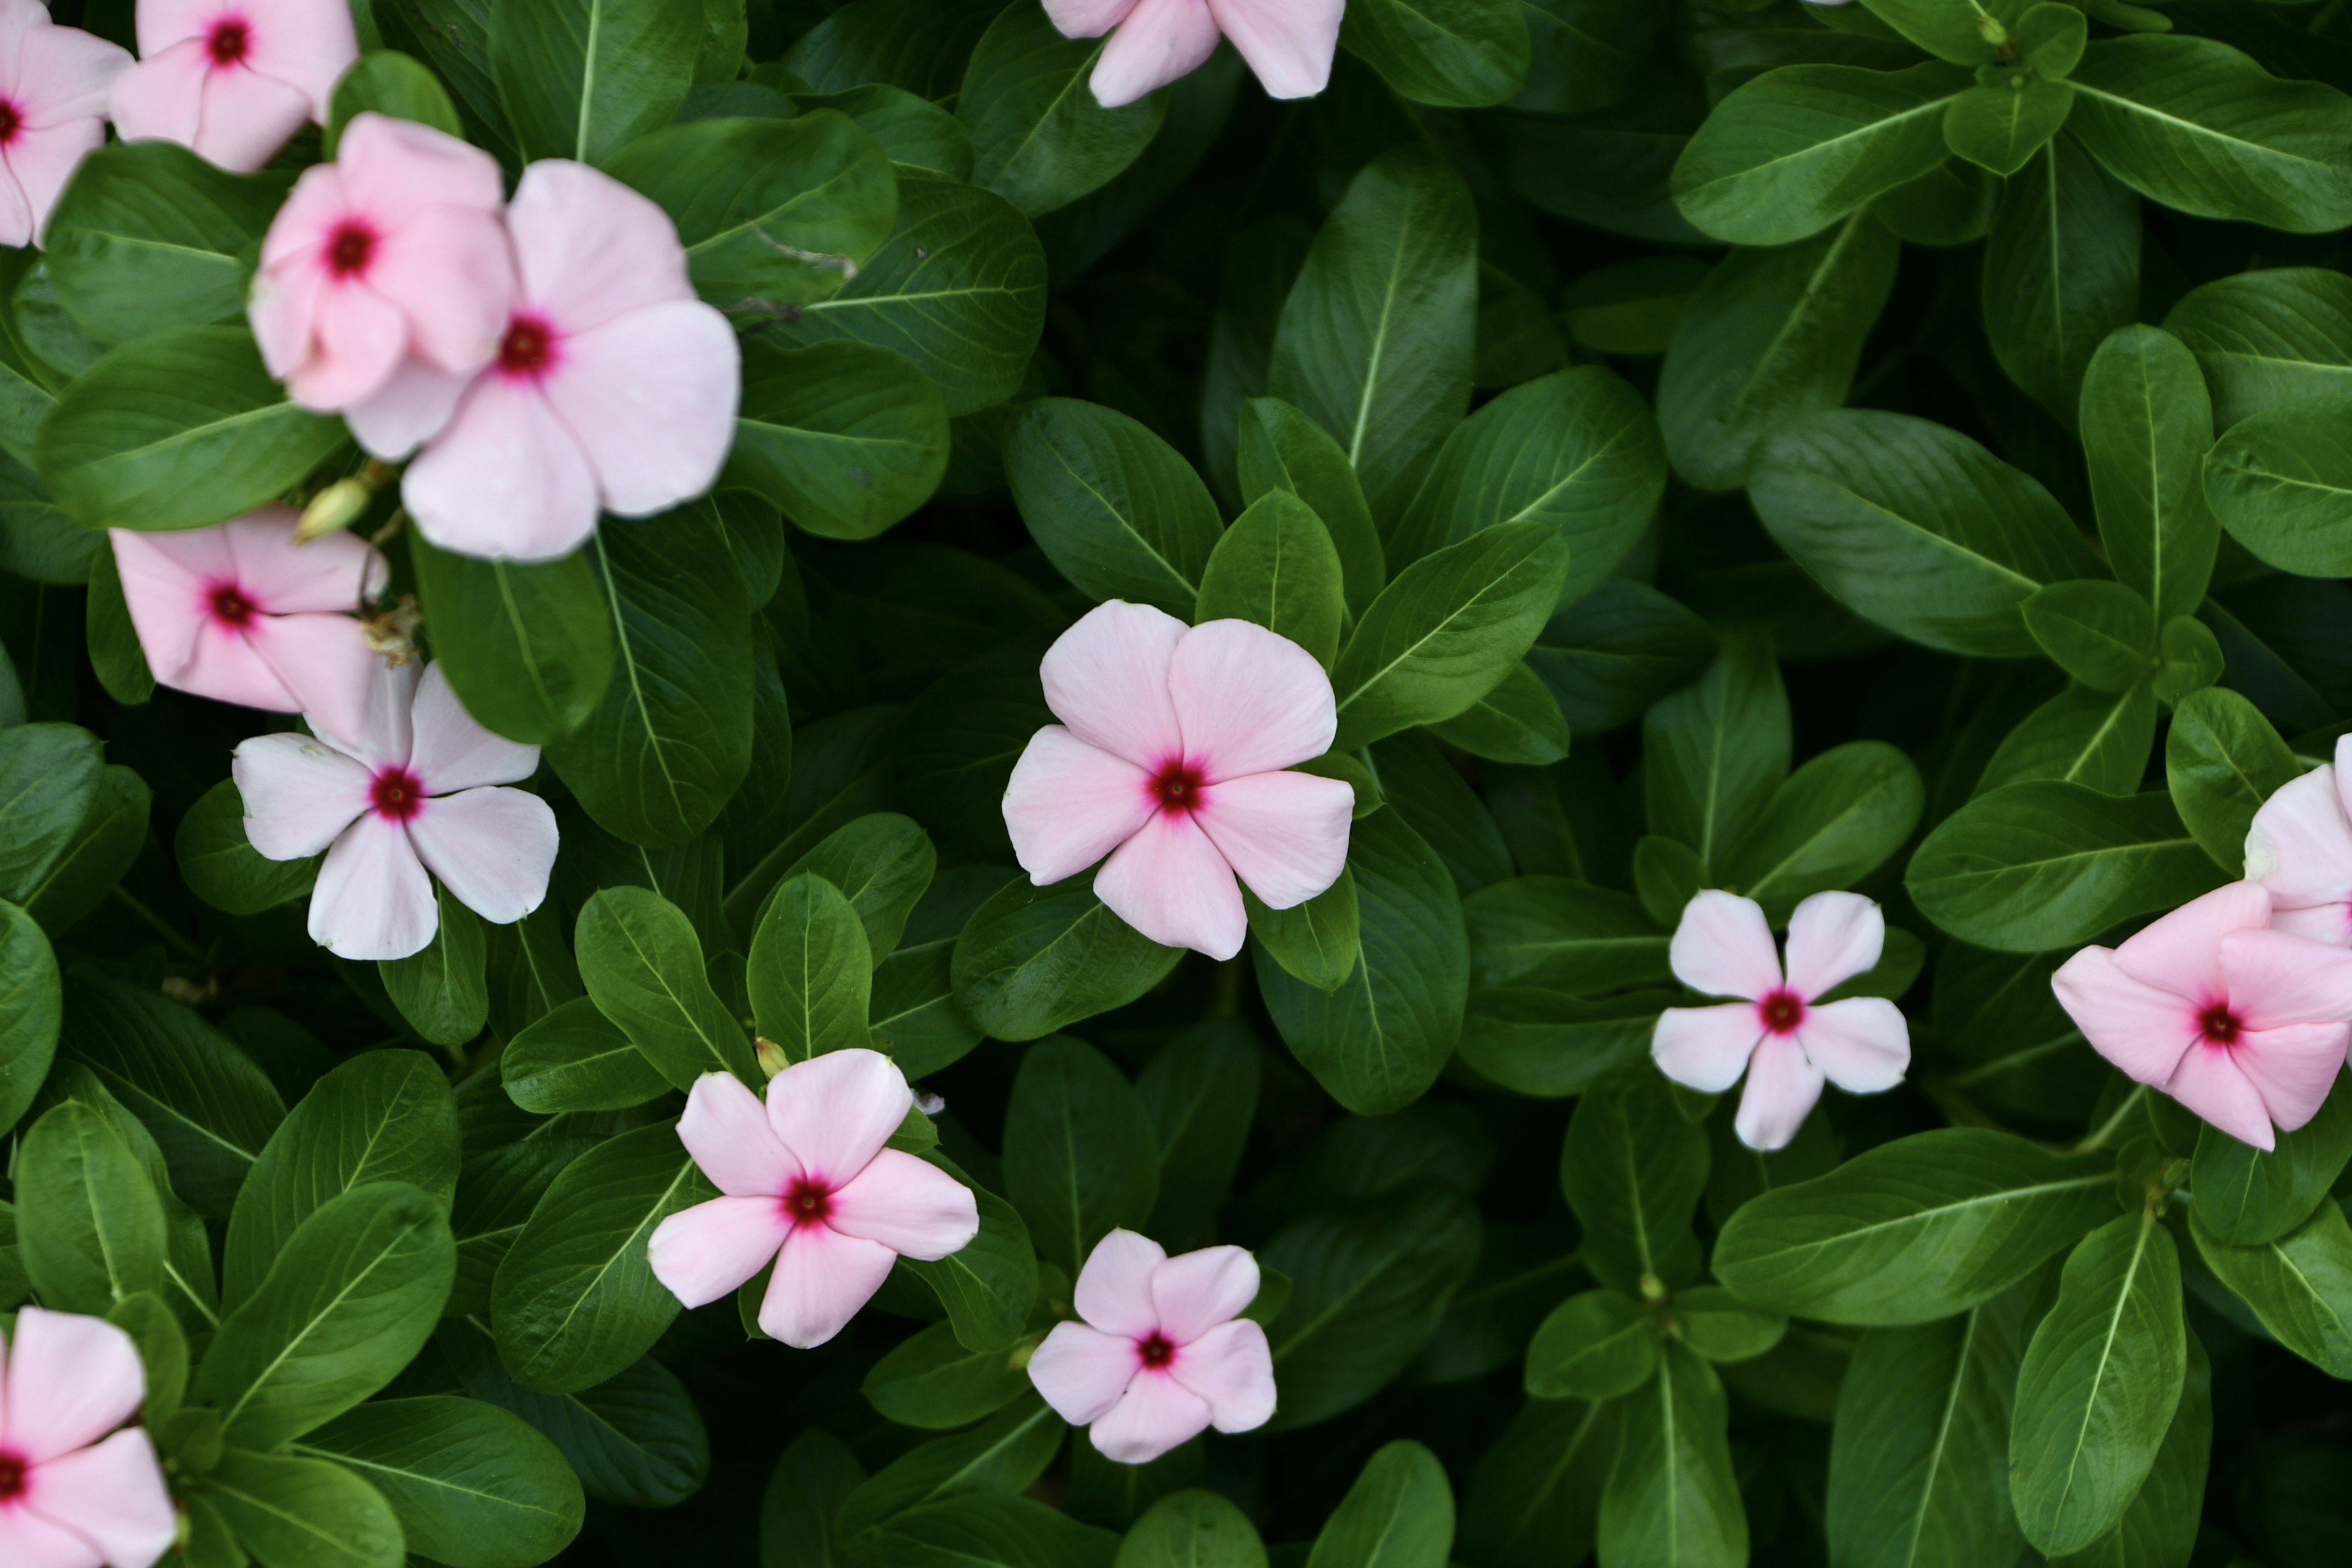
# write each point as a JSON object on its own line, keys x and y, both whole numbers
{"x": 54, "y": 83}
{"x": 243, "y": 614}
{"x": 1163, "y": 1354}
{"x": 2244, "y": 1025}
{"x": 233, "y": 79}
{"x": 1288, "y": 43}
{"x": 412, "y": 788}
{"x": 1171, "y": 759}
{"x": 1781, "y": 1034}
{"x": 2300, "y": 849}
{"x": 72, "y": 1495}
{"x": 807, "y": 1185}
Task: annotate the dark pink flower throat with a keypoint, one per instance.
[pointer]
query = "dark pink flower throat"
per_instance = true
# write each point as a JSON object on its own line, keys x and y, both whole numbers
{"x": 349, "y": 247}
{"x": 2218, "y": 1025}
{"x": 395, "y": 794}
{"x": 527, "y": 350}
{"x": 12, "y": 120}
{"x": 1178, "y": 786}
{"x": 12, "y": 1476}
{"x": 1156, "y": 1352}
{"x": 1782, "y": 1011}
{"x": 230, "y": 40}
{"x": 809, "y": 1203}
{"x": 229, "y": 604}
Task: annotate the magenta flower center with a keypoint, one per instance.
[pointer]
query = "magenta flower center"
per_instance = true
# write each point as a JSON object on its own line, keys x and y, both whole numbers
{"x": 809, "y": 1203}
{"x": 2218, "y": 1025}
{"x": 1155, "y": 1352}
{"x": 12, "y": 120}
{"x": 528, "y": 349}
{"x": 350, "y": 248}
{"x": 1176, "y": 786}
{"x": 12, "y": 1476}
{"x": 395, "y": 794}
{"x": 1782, "y": 1011}
{"x": 229, "y": 606}
{"x": 228, "y": 41}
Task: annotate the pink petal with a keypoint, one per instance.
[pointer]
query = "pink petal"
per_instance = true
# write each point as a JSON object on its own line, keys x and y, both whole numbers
{"x": 1285, "y": 835}
{"x": 382, "y": 736}
{"x": 43, "y": 160}
{"x": 1861, "y": 1043}
{"x": 650, "y": 396}
{"x": 406, "y": 168}
{"x": 1107, "y": 678}
{"x": 72, "y": 1380}
{"x": 2300, "y": 846}
{"x": 1159, "y": 41}
{"x": 307, "y": 43}
{"x": 2183, "y": 952}
{"x": 726, "y": 1129}
{"x": 159, "y": 24}
{"x": 2293, "y": 1068}
{"x": 112, "y": 1495}
{"x": 161, "y": 98}
{"x": 591, "y": 249}
{"x": 1087, "y": 19}
{"x": 2273, "y": 978}
{"x": 451, "y": 750}
{"x": 1114, "y": 1288}
{"x": 324, "y": 662}
{"x": 1832, "y": 937}
{"x": 1706, "y": 1048}
{"x": 1248, "y": 701}
{"x": 17, "y": 226}
{"x": 835, "y": 1112}
{"x": 1169, "y": 882}
{"x": 372, "y": 898}
{"x": 917, "y": 1210}
{"x": 1068, "y": 804}
{"x": 225, "y": 665}
{"x": 2209, "y": 1082}
{"x": 1782, "y": 1087}
{"x": 320, "y": 200}
{"x": 1081, "y": 1372}
{"x": 2330, "y": 923}
{"x": 283, "y": 302}
{"x": 1287, "y": 43}
{"x": 300, "y": 793}
{"x": 409, "y": 409}
{"x": 707, "y": 1251}
{"x": 1722, "y": 947}
{"x": 28, "y": 1541}
{"x": 247, "y": 117}
{"x": 358, "y": 339}
{"x": 17, "y": 17}
{"x": 822, "y": 1278}
{"x": 1153, "y": 1416}
{"x": 493, "y": 848}
{"x": 2141, "y": 1029}
{"x": 504, "y": 478}
{"x": 1231, "y": 1367}
{"x": 339, "y": 572}
{"x": 162, "y": 586}
{"x": 449, "y": 272}
{"x": 1195, "y": 1291}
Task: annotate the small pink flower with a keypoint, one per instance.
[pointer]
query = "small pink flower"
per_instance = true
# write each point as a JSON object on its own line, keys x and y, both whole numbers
{"x": 1288, "y": 43}
{"x": 810, "y": 1187}
{"x": 613, "y": 388}
{"x": 242, "y": 613}
{"x": 2243, "y": 1025}
{"x": 395, "y": 251}
{"x": 1171, "y": 763}
{"x": 1164, "y": 1353}
{"x": 53, "y": 85}
{"x": 407, "y": 790}
{"x": 71, "y": 1495}
{"x": 1781, "y": 1036}
{"x": 2300, "y": 849}
{"x": 233, "y": 79}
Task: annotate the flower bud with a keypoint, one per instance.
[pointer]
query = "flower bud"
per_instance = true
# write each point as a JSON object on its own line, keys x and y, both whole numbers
{"x": 769, "y": 1054}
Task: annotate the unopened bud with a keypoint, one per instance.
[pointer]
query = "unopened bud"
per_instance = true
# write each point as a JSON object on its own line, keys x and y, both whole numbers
{"x": 1991, "y": 30}
{"x": 333, "y": 509}
{"x": 1653, "y": 1290}
{"x": 769, "y": 1054}
{"x": 931, "y": 1104}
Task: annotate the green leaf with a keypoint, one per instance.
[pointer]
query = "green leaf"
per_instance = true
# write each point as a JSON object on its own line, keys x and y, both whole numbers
{"x": 1712, "y": 1322}
{"x": 642, "y": 963}
{"x": 1633, "y": 1170}
{"x": 2146, "y": 422}
{"x": 1829, "y": 825}
{"x": 2268, "y": 337}
{"x": 2000, "y": 126}
{"x": 1519, "y": 721}
{"x": 115, "y": 656}
{"x": 1717, "y": 751}
{"x": 1397, "y": 1514}
{"x": 992, "y": 1530}
{"x": 443, "y": 990}
{"x": 1034, "y": 960}
{"x": 811, "y": 973}
{"x": 1456, "y": 54}
{"x": 1617, "y": 650}
{"x": 1201, "y": 1092}
{"x": 2097, "y": 739}
{"x": 1319, "y": 942}
{"x": 917, "y": 134}
{"x": 32, "y": 1008}
{"x": 1283, "y": 449}
{"x": 1275, "y": 566}
{"x": 220, "y": 864}
{"x": 1565, "y": 935}
{"x": 103, "y": 850}
{"x": 2190, "y": 659}
{"x": 147, "y": 235}
{"x": 2281, "y": 482}
{"x": 1946, "y": 28}
{"x": 883, "y": 863}
{"x": 527, "y": 644}
{"x": 930, "y": 1380}
{"x": 2160, "y": 1525}
{"x": 2246, "y": 1197}
{"x": 1080, "y": 1159}
{"x": 2061, "y": 272}
{"x": 2221, "y": 760}
{"x": 49, "y": 779}
{"x": 1599, "y": 1345}
{"x": 87, "y": 1219}
{"x": 1006, "y": 1454}
{"x": 634, "y": 1438}
{"x": 989, "y": 1288}
{"x": 2102, "y": 634}
{"x": 582, "y": 78}
{"x": 1914, "y": 1230}
{"x": 575, "y": 1059}
{"x": 2299, "y": 1284}
{"x": 1113, "y": 506}
{"x": 473, "y": 1486}
{"x": 293, "y": 1512}
{"x": 847, "y": 439}
{"x": 1671, "y": 1496}
{"x": 1039, "y": 137}
{"x": 383, "y": 82}
{"x": 1192, "y": 1529}
{"x": 804, "y": 1491}
{"x": 1533, "y": 1497}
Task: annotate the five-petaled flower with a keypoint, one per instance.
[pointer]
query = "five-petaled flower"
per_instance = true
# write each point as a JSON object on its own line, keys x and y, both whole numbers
{"x": 1170, "y": 759}
{"x": 1288, "y": 43}
{"x": 71, "y": 1496}
{"x": 412, "y": 787}
{"x": 242, "y": 613}
{"x": 1165, "y": 1352}
{"x": 53, "y": 87}
{"x": 2300, "y": 849}
{"x": 1781, "y": 1034}
{"x": 807, "y": 1185}
{"x": 2242, "y": 1024}
{"x": 233, "y": 79}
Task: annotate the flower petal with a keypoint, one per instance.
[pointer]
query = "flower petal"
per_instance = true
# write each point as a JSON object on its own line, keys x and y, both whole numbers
{"x": 1231, "y": 1368}
{"x": 1169, "y": 882}
{"x": 1107, "y": 678}
{"x": 1248, "y": 701}
{"x": 705, "y": 1252}
{"x": 65, "y": 74}
{"x": 225, "y": 665}
{"x": 1706, "y": 1048}
{"x": 2183, "y": 952}
{"x": 300, "y": 793}
{"x": 111, "y": 1494}
{"x": 2273, "y": 978}
{"x": 162, "y": 97}
{"x": 408, "y": 170}
{"x": 1160, "y": 41}
{"x": 163, "y": 579}
{"x": 304, "y": 43}
{"x": 2140, "y": 1028}
{"x": 324, "y": 662}
{"x": 1068, "y": 804}
{"x": 1087, "y": 19}
{"x": 822, "y": 1278}
{"x": 452, "y": 751}
{"x": 1782, "y": 1087}
{"x": 1861, "y": 1043}
{"x": 246, "y": 118}
{"x": 1287, "y": 43}
{"x": 493, "y": 848}
{"x": 413, "y": 405}
{"x": 338, "y": 573}
{"x": 43, "y": 162}
{"x": 2330, "y": 923}
{"x": 28, "y": 1541}
{"x": 1832, "y": 937}
{"x": 1081, "y": 1372}
{"x": 917, "y": 1210}
{"x": 72, "y": 1380}
{"x": 358, "y": 339}
{"x": 1285, "y": 834}
{"x": 726, "y": 1129}
{"x": 504, "y": 478}
{"x": 2300, "y": 846}
{"x": 1154, "y": 1415}
{"x": 835, "y": 1112}
{"x": 1114, "y": 1288}
{"x": 18, "y": 226}
{"x": 1195, "y": 1291}
{"x": 591, "y": 249}
{"x": 650, "y": 396}
{"x": 1723, "y": 947}
{"x": 2293, "y": 1067}
{"x": 372, "y": 898}
{"x": 2209, "y": 1082}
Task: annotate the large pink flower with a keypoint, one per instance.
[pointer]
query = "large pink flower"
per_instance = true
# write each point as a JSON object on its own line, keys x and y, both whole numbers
{"x": 1781, "y": 1034}
{"x": 242, "y": 613}
{"x": 1288, "y": 43}
{"x": 53, "y": 85}
{"x": 2300, "y": 849}
{"x": 2243, "y": 1025}
{"x": 397, "y": 250}
{"x": 71, "y": 1495}
{"x": 808, "y": 1186}
{"x": 411, "y": 789}
{"x": 1171, "y": 763}
{"x": 613, "y": 388}
{"x": 233, "y": 79}
{"x": 1165, "y": 1352}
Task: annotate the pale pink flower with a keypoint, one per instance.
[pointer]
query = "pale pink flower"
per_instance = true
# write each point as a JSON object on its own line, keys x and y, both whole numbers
{"x": 2243, "y": 1025}
{"x": 409, "y": 790}
{"x": 613, "y": 388}
{"x": 1171, "y": 763}
{"x": 2300, "y": 849}
{"x": 395, "y": 251}
{"x": 233, "y": 79}
{"x": 1164, "y": 1353}
{"x": 1288, "y": 43}
{"x": 71, "y": 1496}
{"x": 809, "y": 1187}
{"x": 242, "y": 613}
{"x": 1781, "y": 1034}
{"x": 53, "y": 85}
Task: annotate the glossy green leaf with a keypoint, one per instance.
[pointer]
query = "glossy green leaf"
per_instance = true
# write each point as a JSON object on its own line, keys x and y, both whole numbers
{"x": 2146, "y": 422}
{"x": 1397, "y": 1514}
{"x": 1113, "y": 506}
{"x": 1456, "y": 54}
{"x": 88, "y": 1221}
{"x": 1283, "y": 449}
{"x": 811, "y": 973}
{"x": 302, "y": 1512}
{"x": 1034, "y": 960}
{"x": 527, "y": 646}
{"x": 642, "y": 964}
{"x": 1717, "y": 751}
{"x": 2268, "y": 337}
{"x": 2102, "y": 634}
{"x": 2060, "y": 271}
{"x": 2246, "y": 1197}
{"x": 472, "y": 1485}
{"x": 2221, "y": 760}
{"x": 1671, "y": 1496}
{"x": 1277, "y": 568}
{"x": 1080, "y": 1159}
{"x": 1633, "y": 1170}
{"x": 1829, "y": 825}
{"x": 1040, "y": 139}
{"x": 147, "y": 235}
{"x": 1599, "y": 1345}
{"x": 582, "y": 78}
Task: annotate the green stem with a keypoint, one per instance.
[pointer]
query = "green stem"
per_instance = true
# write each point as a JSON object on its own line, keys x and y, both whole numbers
{"x": 2106, "y": 1130}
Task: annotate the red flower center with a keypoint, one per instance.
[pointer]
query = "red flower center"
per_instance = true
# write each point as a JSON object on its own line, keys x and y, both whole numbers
{"x": 228, "y": 41}
{"x": 2219, "y": 1026}
{"x": 396, "y": 794}
{"x": 350, "y": 248}
{"x": 1782, "y": 1011}
{"x": 529, "y": 347}
{"x": 230, "y": 606}
{"x": 1176, "y": 786}
{"x": 12, "y": 120}
{"x": 12, "y": 1476}
{"x": 1155, "y": 1352}
{"x": 809, "y": 1203}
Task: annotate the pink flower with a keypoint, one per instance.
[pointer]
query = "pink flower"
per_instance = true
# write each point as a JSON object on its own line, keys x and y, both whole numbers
{"x": 1171, "y": 763}
{"x": 1164, "y": 1353}
{"x": 395, "y": 251}
{"x": 53, "y": 87}
{"x": 612, "y": 386}
{"x": 810, "y": 1187}
{"x": 233, "y": 79}
{"x": 2243, "y": 1025}
{"x": 242, "y": 613}
{"x": 2300, "y": 849}
{"x": 1783, "y": 1036}
{"x": 409, "y": 790}
{"x": 1288, "y": 43}
{"x": 71, "y": 1495}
